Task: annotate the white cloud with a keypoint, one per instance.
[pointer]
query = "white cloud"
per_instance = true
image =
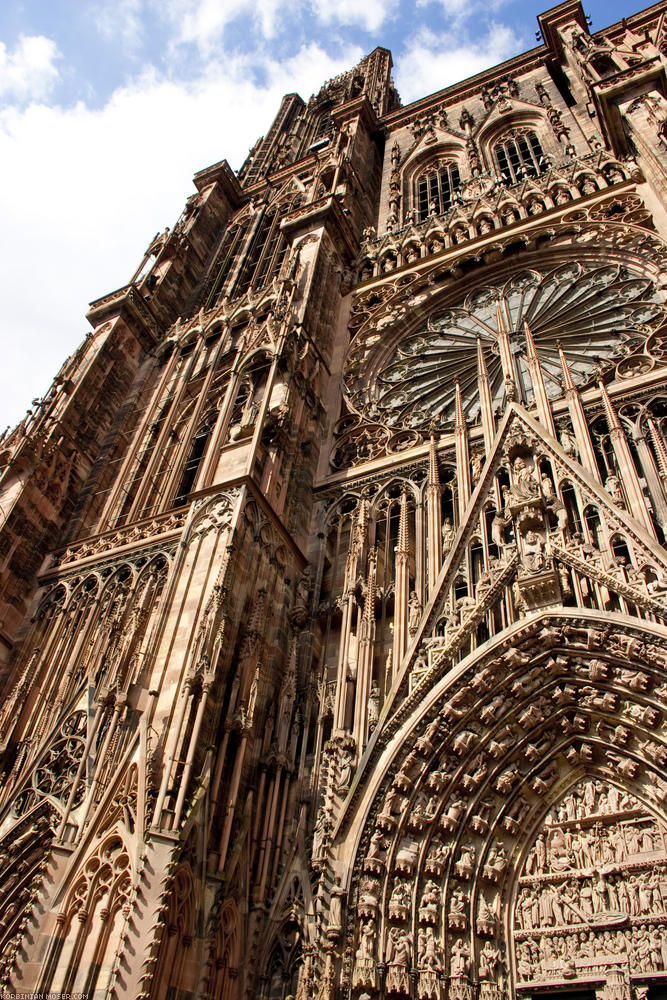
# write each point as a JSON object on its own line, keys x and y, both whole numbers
{"x": 28, "y": 72}
{"x": 369, "y": 14}
{"x": 430, "y": 62}
{"x": 84, "y": 191}
{"x": 203, "y": 22}
{"x": 120, "y": 19}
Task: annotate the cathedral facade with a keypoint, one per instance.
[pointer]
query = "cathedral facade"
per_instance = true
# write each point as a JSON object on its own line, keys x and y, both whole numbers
{"x": 333, "y": 579}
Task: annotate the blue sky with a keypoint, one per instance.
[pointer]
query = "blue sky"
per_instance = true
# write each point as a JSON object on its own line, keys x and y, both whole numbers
{"x": 108, "y": 108}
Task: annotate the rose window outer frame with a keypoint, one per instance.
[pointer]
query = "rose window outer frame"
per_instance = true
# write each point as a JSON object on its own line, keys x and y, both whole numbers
{"x": 600, "y": 313}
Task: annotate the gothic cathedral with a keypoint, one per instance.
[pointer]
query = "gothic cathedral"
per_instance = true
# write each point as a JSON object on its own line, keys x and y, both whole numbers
{"x": 333, "y": 578}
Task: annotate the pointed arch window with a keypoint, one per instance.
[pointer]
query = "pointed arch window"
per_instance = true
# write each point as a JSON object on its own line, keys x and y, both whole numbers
{"x": 266, "y": 253}
{"x": 434, "y": 189}
{"x": 194, "y": 460}
{"x": 518, "y": 155}
{"x": 230, "y": 250}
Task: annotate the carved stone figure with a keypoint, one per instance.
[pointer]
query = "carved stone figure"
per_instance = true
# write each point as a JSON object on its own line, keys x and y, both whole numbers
{"x": 460, "y": 959}
{"x": 448, "y": 535}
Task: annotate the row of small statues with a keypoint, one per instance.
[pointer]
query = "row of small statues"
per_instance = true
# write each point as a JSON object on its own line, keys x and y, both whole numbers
{"x": 591, "y": 847}
{"x": 636, "y": 894}
{"x": 429, "y": 955}
{"x": 589, "y": 799}
{"x": 644, "y": 948}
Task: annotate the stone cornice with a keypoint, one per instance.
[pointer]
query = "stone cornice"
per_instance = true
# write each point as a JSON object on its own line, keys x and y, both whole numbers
{"x": 221, "y": 173}
{"x": 323, "y": 212}
{"x": 126, "y": 303}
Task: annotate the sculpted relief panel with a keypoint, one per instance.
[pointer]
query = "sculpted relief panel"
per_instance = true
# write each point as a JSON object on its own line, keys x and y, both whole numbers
{"x": 593, "y": 893}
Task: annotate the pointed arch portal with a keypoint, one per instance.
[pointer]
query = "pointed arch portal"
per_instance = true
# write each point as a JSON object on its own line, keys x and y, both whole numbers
{"x": 512, "y": 834}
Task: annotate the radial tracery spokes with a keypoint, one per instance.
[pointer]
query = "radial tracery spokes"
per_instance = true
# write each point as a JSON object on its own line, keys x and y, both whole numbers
{"x": 596, "y": 315}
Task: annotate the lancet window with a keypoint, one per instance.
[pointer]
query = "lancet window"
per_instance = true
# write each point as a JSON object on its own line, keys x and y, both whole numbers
{"x": 518, "y": 155}
{"x": 194, "y": 460}
{"x": 265, "y": 254}
{"x": 435, "y": 188}
{"x": 230, "y": 250}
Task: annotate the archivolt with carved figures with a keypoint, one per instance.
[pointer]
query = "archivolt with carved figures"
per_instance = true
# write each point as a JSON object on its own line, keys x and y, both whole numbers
{"x": 514, "y": 831}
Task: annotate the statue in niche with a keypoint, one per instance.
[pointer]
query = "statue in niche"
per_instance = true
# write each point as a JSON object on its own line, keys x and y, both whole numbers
{"x": 429, "y": 903}
{"x": 465, "y": 866}
{"x": 429, "y": 954}
{"x": 399, "y": 960}
{"x": 613, "y": 488}
{"x": 373, "y": 706}
{"x": 486, "y": 918}
{"x": 524, "y": 485}
{"x": 496, "y": 862}
{"x": 400, "y": 896}
{"x": 345, "y": 766}
{"x": 489, "y": 960}
{"x": 368, "y": 897}
{"x": 460, "y": 962}
{"x": 568, "y": 443}
{"x": 448, "y": 535}
{"x": 336, "y": 909}
{"x": 375, "y": 855}
{"x": 414, "y": 613}
{"x": 533, "y": 552}
{"x": 363, "y": 973}
{"x": 366, "y": 948}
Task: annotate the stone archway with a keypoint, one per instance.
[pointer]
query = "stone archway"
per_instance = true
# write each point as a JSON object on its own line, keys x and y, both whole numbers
{"x": 464, "y": 786}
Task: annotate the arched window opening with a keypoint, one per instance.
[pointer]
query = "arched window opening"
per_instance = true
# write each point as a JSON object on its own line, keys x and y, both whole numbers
{"x": 435, "y": 188}
{"x": 266, "y": 253}
{"x": 230, "y": 250}
{"x": 619, "y": 548}
{"x": 519, "y": 155}
{"x": 248, "y": 400}
{"x": 323, "y": 131}
{"x": 592, "y": 518}
{"x": 194, "y": 460}
{"x": 570, "y": 500}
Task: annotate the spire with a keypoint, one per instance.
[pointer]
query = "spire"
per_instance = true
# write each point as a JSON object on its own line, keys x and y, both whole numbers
{"x": 568, "y": 382}
{"x": 610, "y": 412}
{"x": 500, "y": 318}
{"x": 530, "y": 342}
{"x": 659, "y": 445}
{"x": 433, "y": 515}
{"x": 462, "y": 454}
{"x": 485, "y": 400}
{"x": 542, "y": 404}
{"x": 460, "y": 420}
{"x": 402, "y": 543}
{"x": 257, "y": 617}
{"x": 482, "y": 371}
{"x": 369, "y": 606}
{"x": 505, "y": 351}
{"x": 433, "y": 473}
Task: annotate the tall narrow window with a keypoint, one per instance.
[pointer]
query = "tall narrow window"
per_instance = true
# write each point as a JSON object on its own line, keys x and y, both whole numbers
{"x": 191, "y": 467}
{"x": 519, "y": 155}
{"x": 434, "y": 190}
{"x": 266, "y": 253}
{"x": 230, "y": 249}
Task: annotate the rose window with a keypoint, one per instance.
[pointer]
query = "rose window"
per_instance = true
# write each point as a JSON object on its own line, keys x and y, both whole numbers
{"x": 598, "y": 316}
